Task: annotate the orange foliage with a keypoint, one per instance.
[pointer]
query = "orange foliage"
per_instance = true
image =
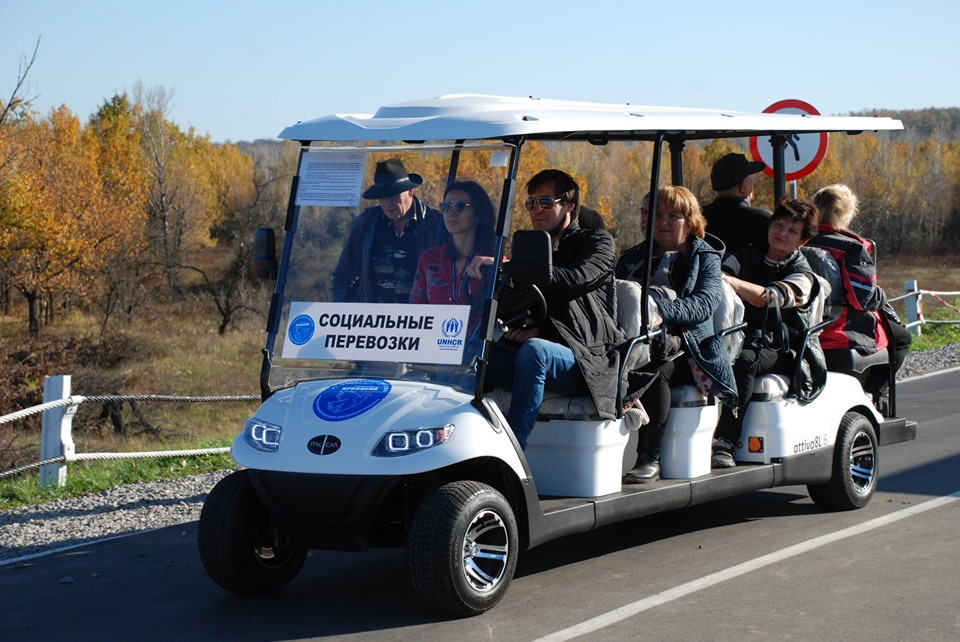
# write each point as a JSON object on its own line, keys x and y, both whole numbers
{"x": 50, "y": 206}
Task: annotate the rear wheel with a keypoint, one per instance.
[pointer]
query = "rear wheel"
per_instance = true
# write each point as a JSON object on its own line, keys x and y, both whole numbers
{"x": 462, "y": 548}
{"x": 236, "y": 540}
{"x": 855, "y": 471}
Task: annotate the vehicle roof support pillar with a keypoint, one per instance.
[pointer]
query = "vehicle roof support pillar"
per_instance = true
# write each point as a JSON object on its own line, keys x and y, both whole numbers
{"x": 778, "y": 142}
{"x": 676, "y": 160}
{"x": 648, "y": 232}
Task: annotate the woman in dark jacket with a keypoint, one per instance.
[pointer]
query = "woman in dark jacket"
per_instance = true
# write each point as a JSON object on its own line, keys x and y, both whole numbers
{"x": 773, "y": 276}
{"x": 690, "y": 267}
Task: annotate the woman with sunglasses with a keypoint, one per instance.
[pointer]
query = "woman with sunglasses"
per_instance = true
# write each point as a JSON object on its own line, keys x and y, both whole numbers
{"x": 442, "y": 270}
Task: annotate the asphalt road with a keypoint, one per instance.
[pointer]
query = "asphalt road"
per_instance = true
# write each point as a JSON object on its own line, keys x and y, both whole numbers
{"x": 766, "y": 565}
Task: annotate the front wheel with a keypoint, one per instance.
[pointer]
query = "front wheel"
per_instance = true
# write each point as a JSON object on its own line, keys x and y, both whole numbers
{"x": 462, "y": 548}
{"x": 236, "y": 540}
{"x": 855, "y": 471}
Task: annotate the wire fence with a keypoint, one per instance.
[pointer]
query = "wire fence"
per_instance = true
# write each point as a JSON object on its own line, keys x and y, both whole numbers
{"x": 57, "y": 447}
{"x": 913, "y": 300}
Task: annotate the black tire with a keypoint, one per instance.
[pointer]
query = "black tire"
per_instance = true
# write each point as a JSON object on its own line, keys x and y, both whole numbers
{"x": 462, "y": 548}
{"x": 235, "y": 540}
{"x": 855, "y": 467}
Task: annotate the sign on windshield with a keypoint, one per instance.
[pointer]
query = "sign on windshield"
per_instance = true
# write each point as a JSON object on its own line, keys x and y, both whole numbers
{"x": 377, "y": 332}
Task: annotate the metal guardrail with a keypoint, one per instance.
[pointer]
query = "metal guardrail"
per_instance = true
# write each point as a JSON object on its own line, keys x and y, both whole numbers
{"x": 913, "y": 297}
{"x": 57, "y": 448}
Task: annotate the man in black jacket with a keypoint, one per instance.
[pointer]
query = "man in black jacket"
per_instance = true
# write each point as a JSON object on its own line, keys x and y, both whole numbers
{"x": 379, "y": 260}
{"x": 573, "y": 350}
{"x": 730, "y": 216}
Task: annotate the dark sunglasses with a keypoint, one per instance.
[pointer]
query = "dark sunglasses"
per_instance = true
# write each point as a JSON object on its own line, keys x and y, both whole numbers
{"x": 459, "y": 207}
{"x": 545, "y": 202}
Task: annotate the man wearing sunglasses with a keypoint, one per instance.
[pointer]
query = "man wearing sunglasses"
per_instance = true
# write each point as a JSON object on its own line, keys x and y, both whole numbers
{"x": 573, "y": 350}
{"x": 379, "y": 260}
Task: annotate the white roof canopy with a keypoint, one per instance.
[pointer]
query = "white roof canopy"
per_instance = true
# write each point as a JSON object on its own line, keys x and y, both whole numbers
{"x": 480, "y": 117}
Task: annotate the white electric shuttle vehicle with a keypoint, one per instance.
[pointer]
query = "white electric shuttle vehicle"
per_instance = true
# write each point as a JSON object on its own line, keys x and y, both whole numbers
{"x": 376, "y": 429}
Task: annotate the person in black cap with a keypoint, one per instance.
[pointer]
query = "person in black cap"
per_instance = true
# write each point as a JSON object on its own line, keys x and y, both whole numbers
{"x": 379, "y": 259}
{"x": 730, "y": 216}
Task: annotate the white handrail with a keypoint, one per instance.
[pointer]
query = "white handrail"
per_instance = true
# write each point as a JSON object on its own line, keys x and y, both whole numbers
{"x": 913, "y": 296}
{"x": 57, "y": 448}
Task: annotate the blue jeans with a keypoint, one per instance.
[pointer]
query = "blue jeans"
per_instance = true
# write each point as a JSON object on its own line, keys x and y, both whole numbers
{"x": 537, "y": 365}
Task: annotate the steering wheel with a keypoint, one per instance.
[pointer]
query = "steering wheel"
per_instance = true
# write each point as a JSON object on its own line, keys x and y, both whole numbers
{"x": 521, "y": 307}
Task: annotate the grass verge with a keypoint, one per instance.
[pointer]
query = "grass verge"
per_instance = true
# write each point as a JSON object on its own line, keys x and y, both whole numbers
{"x": 936, "y": 335}
{"x": 88, "y": 477}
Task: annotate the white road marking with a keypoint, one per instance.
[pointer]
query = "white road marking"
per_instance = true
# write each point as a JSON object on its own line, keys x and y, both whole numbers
{"x": 927, "y": 375}
{"x": 634, "y": 608}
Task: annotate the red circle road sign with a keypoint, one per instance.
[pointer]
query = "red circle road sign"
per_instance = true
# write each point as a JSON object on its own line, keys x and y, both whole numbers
{"x": 803, "y": 151}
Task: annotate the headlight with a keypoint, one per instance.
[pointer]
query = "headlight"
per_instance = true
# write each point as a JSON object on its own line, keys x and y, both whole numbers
{"x": 406, "y": 442}
{"x": 262, "y": 435}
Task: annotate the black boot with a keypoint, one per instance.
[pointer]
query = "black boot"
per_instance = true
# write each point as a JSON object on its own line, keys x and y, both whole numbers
{"x": 647, "y": 468}
{"x": 645, "y": 471}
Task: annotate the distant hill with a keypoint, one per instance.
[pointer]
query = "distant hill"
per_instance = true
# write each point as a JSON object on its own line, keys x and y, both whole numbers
{"x": 941, "y": 123}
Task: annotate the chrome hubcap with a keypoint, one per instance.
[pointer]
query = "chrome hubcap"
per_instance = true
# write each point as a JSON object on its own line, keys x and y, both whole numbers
{"x": 863, "y": 462}
{"x": 486, "y": 546}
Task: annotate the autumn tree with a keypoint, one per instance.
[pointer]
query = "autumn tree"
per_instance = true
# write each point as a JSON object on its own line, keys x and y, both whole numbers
{"x": 50, "y": 206}
{"x": 246, "y": 201}
{"x": 17, "y": 106}
{"x": 181, "y": 206}
{"x": 14, "y": 109}
{"x": 118, "y": 283}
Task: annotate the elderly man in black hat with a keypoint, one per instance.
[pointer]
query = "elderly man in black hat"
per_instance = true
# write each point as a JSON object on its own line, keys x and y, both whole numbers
{"x": 730, "y": 216}
{"x": 379, "y": 259}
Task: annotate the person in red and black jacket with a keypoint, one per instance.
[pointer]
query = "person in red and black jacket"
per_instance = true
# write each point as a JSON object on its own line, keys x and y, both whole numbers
{"x": 867, "y": 323}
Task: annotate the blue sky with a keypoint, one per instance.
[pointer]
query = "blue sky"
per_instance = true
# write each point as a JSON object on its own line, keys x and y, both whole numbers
{"x": 244, "y": 70}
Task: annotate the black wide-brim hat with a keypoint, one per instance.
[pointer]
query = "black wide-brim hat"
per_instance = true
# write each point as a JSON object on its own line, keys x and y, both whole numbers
{"x": 390, "y": 178}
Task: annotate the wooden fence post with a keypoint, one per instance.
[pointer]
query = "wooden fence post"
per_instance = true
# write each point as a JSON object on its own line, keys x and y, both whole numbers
{"x": 914, "y": 311}
{"x": 56, "y": 438}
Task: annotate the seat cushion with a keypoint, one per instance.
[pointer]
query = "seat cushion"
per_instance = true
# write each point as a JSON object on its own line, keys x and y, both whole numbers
{"x": 689, "y": 396}
{"x": 554, "y": 406}
{"x": 852, "y": 362}
{"x": 770, "y": 387}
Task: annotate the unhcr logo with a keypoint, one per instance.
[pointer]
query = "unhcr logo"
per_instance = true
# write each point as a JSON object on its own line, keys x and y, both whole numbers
{"x": 451, "y": 329}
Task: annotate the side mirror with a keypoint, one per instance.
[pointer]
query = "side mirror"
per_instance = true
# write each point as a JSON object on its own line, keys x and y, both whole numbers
{"x": 264, "y": 254}
{"x": 531, "y": 258}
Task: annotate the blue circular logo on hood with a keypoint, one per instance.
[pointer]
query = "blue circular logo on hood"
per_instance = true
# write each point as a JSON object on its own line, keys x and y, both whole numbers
{"x": 350, "y": 399}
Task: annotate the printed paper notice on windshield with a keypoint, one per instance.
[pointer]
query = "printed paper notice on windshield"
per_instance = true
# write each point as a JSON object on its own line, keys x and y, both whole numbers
{"x": 377, "y": 332}
{"x": 331, "y": 179}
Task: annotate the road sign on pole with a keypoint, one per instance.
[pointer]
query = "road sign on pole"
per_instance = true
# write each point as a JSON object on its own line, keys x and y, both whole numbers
{"x": 803, "y": 151}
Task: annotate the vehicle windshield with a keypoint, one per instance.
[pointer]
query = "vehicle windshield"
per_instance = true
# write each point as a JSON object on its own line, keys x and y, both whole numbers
{"x": 373, "y": 281}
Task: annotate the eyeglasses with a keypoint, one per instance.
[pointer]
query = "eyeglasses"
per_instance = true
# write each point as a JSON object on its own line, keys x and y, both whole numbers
{"x": 545, "y": 202}
{"x": 459, "y": 207}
